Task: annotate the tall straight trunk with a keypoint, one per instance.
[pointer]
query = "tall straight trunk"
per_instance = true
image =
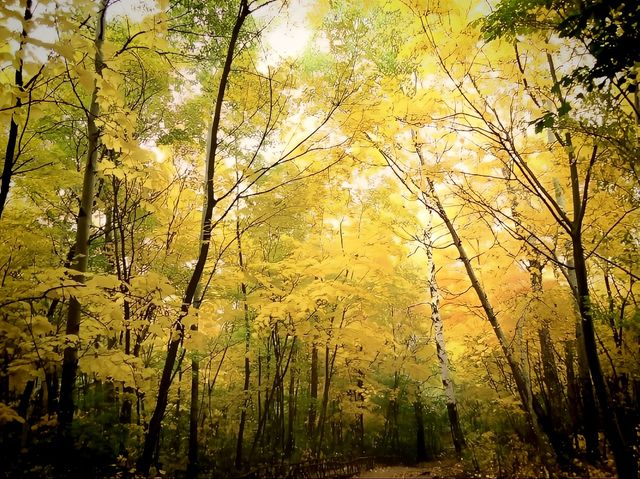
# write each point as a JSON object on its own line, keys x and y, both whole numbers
{"x": 153, "y": 433}
{"x": 247, "y": 346}
{"x": 12, "y": 139}
{"x": 291, "y": 410}
{"x": 573, "y": 395}
{"x": 192, "y": 464}
{"x": 421, "y": 445}
{"x": 313, "y": 393}
{"x": 555, "y": 414}
{"x": 245, "y": 389}
{"x": 278, "y": 377}
{"x": 359, "y": 398}
{"x": 443, "y": 359}
{"x": 81, "y": 248}
{"x": 391, "y": 438}
{"x": 329, "y": 360}
{"x": 51, "y": 385}
{"x": 585, "y": 406}
{"x": 623, "y": 452}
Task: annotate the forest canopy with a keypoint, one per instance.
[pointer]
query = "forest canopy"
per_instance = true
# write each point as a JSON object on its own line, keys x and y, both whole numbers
{"x": 238, "y": 234}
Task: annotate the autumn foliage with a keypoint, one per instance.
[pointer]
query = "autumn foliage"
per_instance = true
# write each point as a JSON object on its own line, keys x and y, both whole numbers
{"x": 415, "y": 236}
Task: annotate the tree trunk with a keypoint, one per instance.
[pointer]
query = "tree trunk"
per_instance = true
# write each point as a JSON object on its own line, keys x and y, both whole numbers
{"x": 421, "y": 446}
{"x": 329, "y": 360}
{"x": 452, "y": 408}
{"x": 291, "y": 413}
{"x": 153, "y": 433}
{"x": 12, "y": 139}
{"x": 81, "y": 248}
{"x": 247, "y": 345}
{"x": 280, "y": 372}
{"x": 586, "y": 404}
{"x": 556, "y": 406}
{"x": 192, "y": 464}
{"x": 313, "y": 394}
{"x": 623, "y": 453}
{"x": 529, "y": 403}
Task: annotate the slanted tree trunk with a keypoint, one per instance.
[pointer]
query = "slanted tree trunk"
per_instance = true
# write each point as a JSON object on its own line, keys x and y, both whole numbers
{"x": 443, "y": 359}
{"x": 81, "y": 248}
{"x": 153, "y": 432}
{"x": 518, "y": 375}
{"x": 10, "y": 156}
{"x": 429, "y": 198}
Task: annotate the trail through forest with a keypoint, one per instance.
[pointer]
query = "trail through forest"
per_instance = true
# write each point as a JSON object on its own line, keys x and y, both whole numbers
{"x": 437, "y": 469}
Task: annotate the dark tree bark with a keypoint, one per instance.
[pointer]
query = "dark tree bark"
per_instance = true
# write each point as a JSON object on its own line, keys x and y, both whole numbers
{"x": 81, "y": 248}
{"x": 153, "y": 433}
{"x": 10, "y": 156}
{"x": 421, "y": 445}
{"x": 292, "y": 407}
{"x": 247, "y": 347}
{"x": 313, "y": 393}
{"x": 192, "y": 464}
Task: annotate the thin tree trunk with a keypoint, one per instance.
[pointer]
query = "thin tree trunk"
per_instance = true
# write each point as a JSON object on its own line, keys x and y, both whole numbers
{"x": 586, "y": 404}
{"x": 247, "y": 346}
{"x": 291, "y": 413}
{"x": 518, "y": 375}
{"x": 12, "y": 139}
{"x": 153, "y": 433}
{"x": 313, "y": 404}
{"x": 623, "y": 452}
{"x": 192, "y": 464}
{"x": 329, "y": 360}
{"x": 452, "y": 408}
{"x": 81, "y": 249}
{"x": 280, "y": 372}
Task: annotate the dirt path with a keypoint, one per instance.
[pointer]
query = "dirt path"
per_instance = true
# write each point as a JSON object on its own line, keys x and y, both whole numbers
{"x": 439, "y": 469}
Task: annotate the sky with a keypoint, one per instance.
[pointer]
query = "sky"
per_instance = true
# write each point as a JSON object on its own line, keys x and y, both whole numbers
{"x": 288, "y": 32}
{"x": 286, "y": 35}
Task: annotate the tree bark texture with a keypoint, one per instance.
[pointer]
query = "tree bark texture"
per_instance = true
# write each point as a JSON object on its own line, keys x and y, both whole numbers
{"x": 443, "y": 359}
{"x": 153, "y": 432}
{"x": 81, "y": 249}
{"x": 12, "y": 139}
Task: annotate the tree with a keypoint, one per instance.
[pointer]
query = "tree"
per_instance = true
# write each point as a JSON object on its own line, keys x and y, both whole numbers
{"x": 220, "y": 195}
{"x": 81, "y": 247}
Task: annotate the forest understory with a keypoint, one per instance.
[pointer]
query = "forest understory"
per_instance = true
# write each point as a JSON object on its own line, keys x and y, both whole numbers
{"x": 271, "y": 238}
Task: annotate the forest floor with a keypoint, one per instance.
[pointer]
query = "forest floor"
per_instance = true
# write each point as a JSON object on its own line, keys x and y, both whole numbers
{"x": 451, "y": 468}
{"x": 446, "y": 468}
